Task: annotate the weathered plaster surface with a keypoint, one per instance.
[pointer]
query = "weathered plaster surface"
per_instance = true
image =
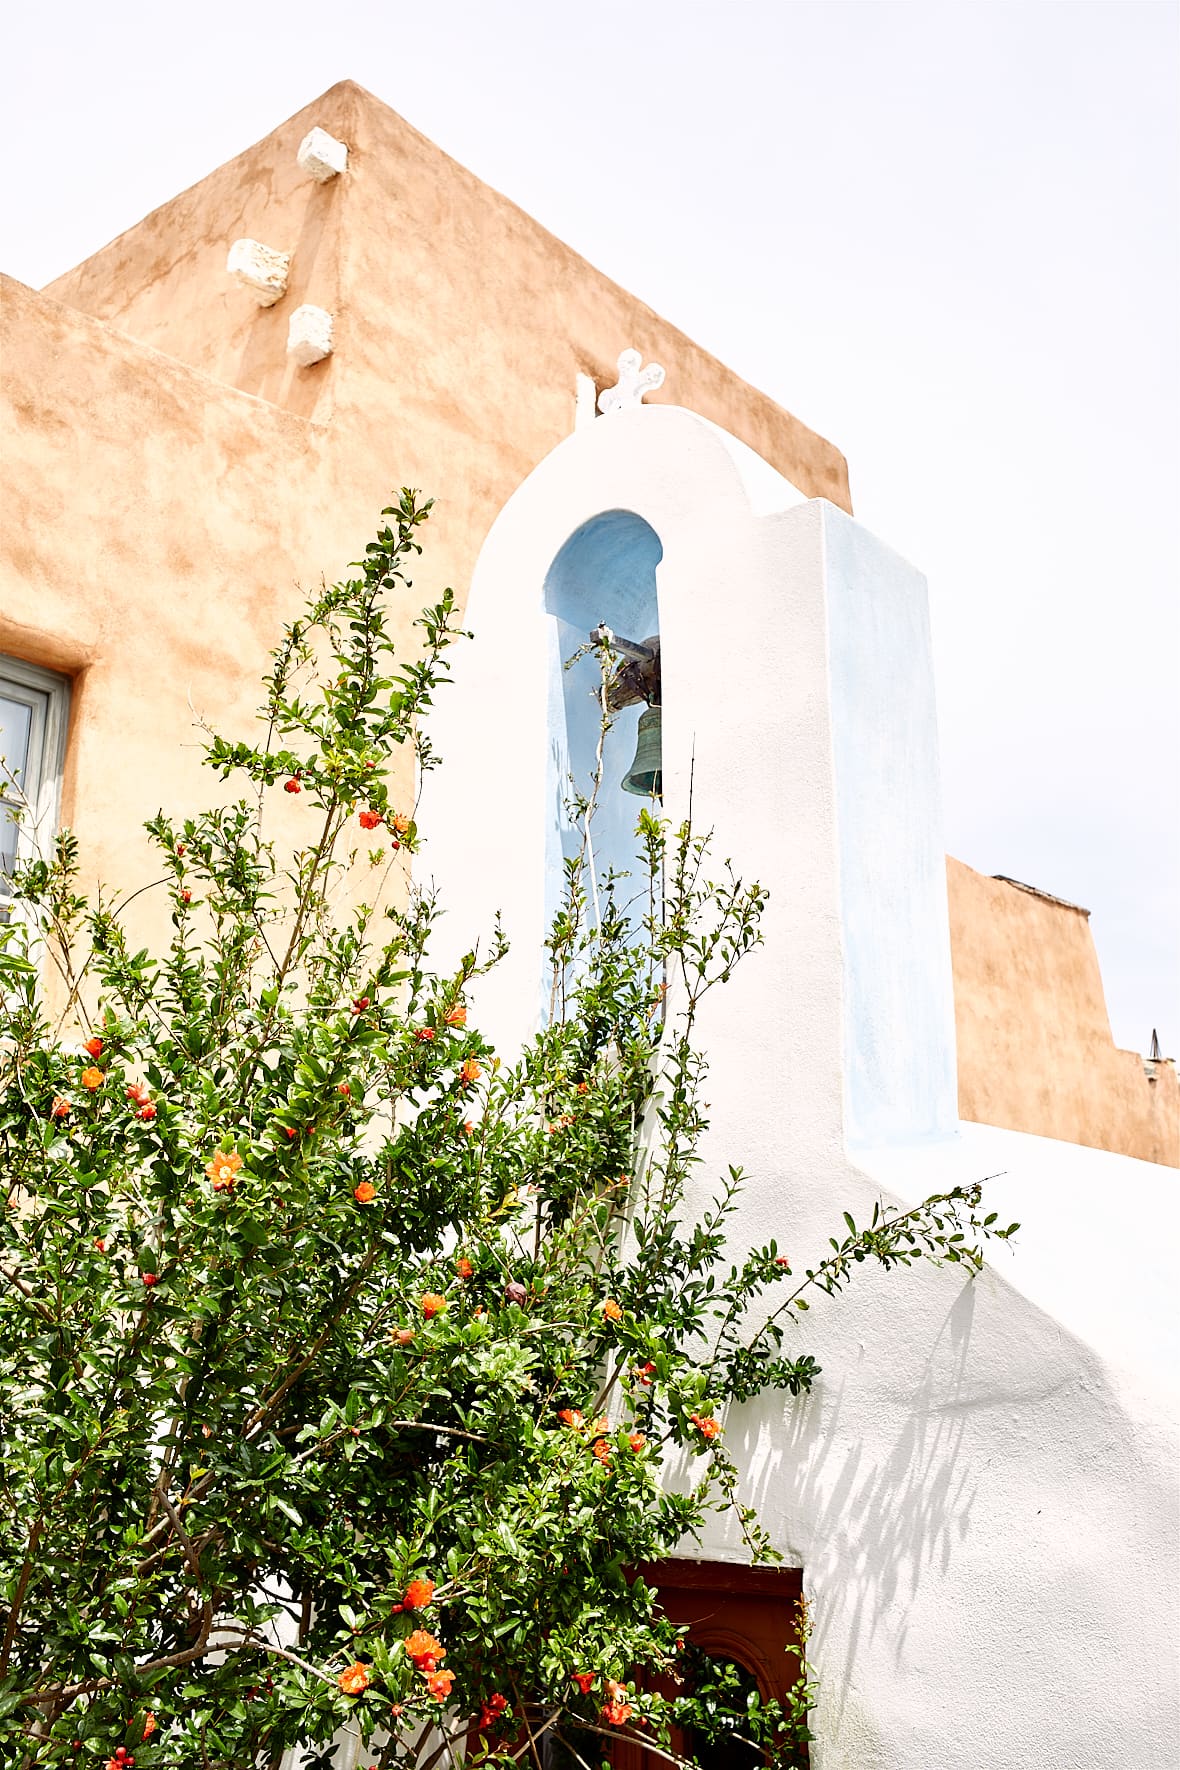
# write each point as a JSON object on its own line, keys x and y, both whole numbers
{"x": 983, "y": 1488}
{"x": 1035, "y": 1046}
{"x": 160, "y": 604}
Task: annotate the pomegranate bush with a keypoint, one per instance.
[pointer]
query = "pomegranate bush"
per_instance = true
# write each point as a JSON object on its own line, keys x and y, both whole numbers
{"x": 341, "y": 1357}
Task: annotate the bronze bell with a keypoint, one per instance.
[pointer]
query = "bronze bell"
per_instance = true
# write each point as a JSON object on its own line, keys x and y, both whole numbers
{"x": 644, "y": 776}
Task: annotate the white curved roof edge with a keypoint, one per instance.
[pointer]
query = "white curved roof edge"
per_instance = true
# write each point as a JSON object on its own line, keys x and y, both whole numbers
{"x": 767, "y": 490}
{"x": 1089, "y": 1252}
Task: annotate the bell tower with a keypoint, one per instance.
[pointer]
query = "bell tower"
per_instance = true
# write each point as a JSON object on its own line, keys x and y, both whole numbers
{"x": 796, "y": 706}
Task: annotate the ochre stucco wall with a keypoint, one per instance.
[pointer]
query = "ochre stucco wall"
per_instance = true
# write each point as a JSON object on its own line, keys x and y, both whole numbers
{"x": 1034, "y": 1040}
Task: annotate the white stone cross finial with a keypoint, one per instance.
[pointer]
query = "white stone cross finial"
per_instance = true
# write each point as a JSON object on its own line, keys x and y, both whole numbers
{"x": 634, "y": 381}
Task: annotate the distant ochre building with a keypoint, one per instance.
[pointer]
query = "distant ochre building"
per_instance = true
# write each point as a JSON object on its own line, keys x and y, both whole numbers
{"x": 211, "y": 411}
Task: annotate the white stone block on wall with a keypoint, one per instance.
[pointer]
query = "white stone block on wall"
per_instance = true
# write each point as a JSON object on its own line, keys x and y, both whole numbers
{"x": 321, "y": 156}
{"x": 260, "y": 270}
{"x": 309, "y": 335}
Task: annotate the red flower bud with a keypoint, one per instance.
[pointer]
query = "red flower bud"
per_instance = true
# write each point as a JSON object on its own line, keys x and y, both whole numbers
{"x": 292, "y": 786}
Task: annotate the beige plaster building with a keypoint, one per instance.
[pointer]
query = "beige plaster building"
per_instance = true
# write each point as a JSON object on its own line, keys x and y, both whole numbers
{"x": 174, "y": 471}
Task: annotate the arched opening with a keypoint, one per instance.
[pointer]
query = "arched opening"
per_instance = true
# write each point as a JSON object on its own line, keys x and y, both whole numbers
{"x": 605, "y": 573}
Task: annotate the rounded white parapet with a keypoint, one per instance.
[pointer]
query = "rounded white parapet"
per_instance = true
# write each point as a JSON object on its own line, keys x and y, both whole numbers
{"x": 260, "y": 270}
{"x": 321, "y": 156}
{"x": 309, "y": 336}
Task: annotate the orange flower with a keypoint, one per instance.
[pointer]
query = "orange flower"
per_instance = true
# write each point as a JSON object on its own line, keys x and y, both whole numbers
{"x": 91, "y": 1078}
{"x": 419, "y": 1592}
{"x": 370, "y": 819}
{"x": 439, "y": 1684}
{"x": 583, "y": 1087}
{"x": 100, "y": 1244}
{"x": 433, "y": 1304}
{"x": 146, "y": 1111}
{"x": 617, "y": 1709}
{"x": 94, "y": 1046}
{"x": 611, "y": 1310}
{"x": 343, "y": 1088}
{"x": 60, "y": 1107}
{"x": 138, "y": 1092}
{"x": 355, "y": 1679}
{"x": 584, "y": 1681}
{"x": 365, "y": 1193}
{"x": 572, "y": 1417}
{"x": 470, "y": 1072}
{"x": 424, "y": 1034}
{"x": 464, "y": 1267}
{"x": 399, "y": 822}
{"x": 456, "y": 1016}
{"x": 637, "y": 1441}
{"x": 423, "y": 1650}
{"x": 468, "y": 1128}
{"x": 490, "y": 1709}
{"x": 222, "y": 1169}
{"x": 707, "y": 1427}
{"x": 149, "y": 1724}
{"x": 602, "y": 1450}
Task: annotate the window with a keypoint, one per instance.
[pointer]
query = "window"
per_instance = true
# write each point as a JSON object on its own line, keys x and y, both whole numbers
{"x": 33, "y": 708}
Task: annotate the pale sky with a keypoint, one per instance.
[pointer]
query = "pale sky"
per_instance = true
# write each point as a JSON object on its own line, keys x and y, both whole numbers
{"x": 944, "y": 233}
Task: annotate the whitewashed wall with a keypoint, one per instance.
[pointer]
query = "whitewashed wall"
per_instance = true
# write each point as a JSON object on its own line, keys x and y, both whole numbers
{"x": 982, "y": 1489}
